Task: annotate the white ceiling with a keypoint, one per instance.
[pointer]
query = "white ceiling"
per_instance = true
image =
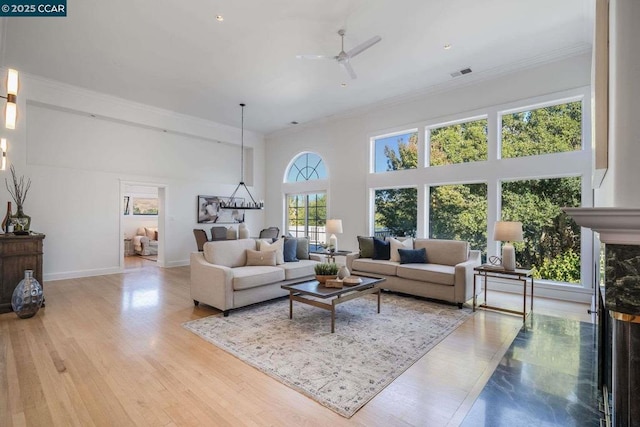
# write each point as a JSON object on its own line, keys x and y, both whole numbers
{"x": 175, "y": 55}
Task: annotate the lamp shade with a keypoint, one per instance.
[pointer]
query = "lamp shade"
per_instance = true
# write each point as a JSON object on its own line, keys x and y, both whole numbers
{"x": 334, "y": 226}
{"x": 508, "y": 231}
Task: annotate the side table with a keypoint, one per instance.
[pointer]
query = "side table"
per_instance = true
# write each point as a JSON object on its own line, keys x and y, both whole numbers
{"x": 518, "y": 274}
{"x": 331, "y": 256}
{"x": 128, "y": 247}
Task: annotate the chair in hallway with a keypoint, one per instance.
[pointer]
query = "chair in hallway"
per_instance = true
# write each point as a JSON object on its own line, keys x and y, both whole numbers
{"x": 218, "y": 233}
{"x": 201, "y": 238}
{"x": 269, "y": 233}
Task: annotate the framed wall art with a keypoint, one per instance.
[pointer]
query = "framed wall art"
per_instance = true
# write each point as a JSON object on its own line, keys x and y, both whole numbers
{"x": 210, "y": 212}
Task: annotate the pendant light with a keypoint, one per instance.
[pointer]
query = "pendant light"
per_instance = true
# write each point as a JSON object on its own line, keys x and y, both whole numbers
{"x": 233, "y": 202}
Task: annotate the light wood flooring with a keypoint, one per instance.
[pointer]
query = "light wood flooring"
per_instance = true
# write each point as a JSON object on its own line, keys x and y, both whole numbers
{"x": 110, "y": 350}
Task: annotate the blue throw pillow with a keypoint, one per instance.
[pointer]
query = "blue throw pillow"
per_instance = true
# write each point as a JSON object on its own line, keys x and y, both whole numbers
{"x": 413, "y": 256}
{"x": 381, "y": 249}
{"x": 290, "y": 249}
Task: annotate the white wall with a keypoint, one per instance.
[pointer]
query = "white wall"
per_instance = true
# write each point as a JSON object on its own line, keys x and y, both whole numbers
{"x": 620, "y": 185}
{"x": 343, "y": 142}
{"x": 77, "y": 163}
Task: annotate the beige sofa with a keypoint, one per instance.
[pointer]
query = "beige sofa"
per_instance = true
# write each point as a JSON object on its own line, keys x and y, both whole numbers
{"x": 220, "y": 277}
{"x": 447, "y": 275}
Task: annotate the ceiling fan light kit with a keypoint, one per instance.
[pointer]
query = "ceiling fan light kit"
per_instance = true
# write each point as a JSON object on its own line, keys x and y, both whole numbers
{"x": 343, "y": 57}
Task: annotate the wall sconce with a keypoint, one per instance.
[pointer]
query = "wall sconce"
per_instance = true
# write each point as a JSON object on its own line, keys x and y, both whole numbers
{"x": 3, "y": 159}
{"x": 11, "y": 110}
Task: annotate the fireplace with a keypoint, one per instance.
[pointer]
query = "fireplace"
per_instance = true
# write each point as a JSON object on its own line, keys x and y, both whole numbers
{"x": 619, "y": 316}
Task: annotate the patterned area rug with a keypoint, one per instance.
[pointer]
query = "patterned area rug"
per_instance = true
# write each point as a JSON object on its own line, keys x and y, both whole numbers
{"x": 342, "y": 371}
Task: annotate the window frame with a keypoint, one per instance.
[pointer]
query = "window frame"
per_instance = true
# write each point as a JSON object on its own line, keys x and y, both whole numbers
{"x": 427, "y": 138}
{"x": 495, "y": 170}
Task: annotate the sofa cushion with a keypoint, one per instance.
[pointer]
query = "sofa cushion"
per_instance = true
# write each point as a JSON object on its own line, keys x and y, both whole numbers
{"x": 297, "y": 270}
{"x": 381, "y": 249}
{"x": 368, "y": 265}
{"x": 399, "y": 244}
{"x": 277, "y": 247}
{"x": 446, "y": 252}
{"x": 261, "y": 257}
{"x": 413, "y": 256}
{"x": 290, "y": 249}
{"x": 433, "y": 273}
{"x": 366, "y": 246}
{"x": 251, "y": 277}
{"x": 302, "y": 251}
{"x": 228, "y": 253}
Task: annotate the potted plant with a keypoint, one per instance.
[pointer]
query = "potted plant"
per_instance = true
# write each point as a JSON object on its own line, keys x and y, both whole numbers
{"x": 325, "y": 271}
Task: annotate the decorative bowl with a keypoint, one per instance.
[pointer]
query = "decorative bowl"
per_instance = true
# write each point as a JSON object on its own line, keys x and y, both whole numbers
{"x": 323, "y": 278}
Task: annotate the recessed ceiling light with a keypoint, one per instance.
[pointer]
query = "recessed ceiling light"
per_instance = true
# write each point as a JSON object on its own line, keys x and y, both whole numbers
{"x": 219, "y": 18}
{"x": 343, "y": 84}
{"x": 447, "y": 46}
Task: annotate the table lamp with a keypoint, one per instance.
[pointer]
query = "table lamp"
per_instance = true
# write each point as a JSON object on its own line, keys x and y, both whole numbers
{"x": 334, "y": 226}
{"x": 508, "y": 231}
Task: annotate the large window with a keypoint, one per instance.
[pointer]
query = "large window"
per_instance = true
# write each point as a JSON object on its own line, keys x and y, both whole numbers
{"x": 396, "y": 152}
{"x": 307, "y": 216}
{"x": 554, "y": 129}
{"x": 551, "y": 246}
{"x": 396, "y": 212}
{"x": 459, "y": 212}
{"x": 458, "y": 143}
{"x": 306, "y": 210}
{"x": 522, "y": 161}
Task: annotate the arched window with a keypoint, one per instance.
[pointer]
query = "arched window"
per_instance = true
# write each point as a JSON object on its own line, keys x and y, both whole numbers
{"x": 306, "y": 208}
{"x": 306, "y": 167}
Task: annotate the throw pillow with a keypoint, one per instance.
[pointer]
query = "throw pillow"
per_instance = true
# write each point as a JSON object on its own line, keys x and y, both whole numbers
{"x": 381, "y": 249}
{"x": 277, "y": 247}
{"x": 366, "y": 246}
{"x": 302, "y": 251}
{"x": 399, "y": 244}
{"x": 290, "y": 248}
{"x": 413, "y": 256}
{"x": 150, "y": 233}
{"x": 155, "y": 235}
{"x": 261, "y": 257}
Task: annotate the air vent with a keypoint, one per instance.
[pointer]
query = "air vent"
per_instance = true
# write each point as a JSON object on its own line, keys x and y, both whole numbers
{"x": 461, "y": 72}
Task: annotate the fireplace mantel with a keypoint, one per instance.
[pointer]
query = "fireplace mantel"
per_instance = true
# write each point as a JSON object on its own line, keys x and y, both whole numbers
{"x": 616, "y": 225}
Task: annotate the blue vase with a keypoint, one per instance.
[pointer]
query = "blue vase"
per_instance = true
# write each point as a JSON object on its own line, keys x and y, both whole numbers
{"x": 27, "y": 296}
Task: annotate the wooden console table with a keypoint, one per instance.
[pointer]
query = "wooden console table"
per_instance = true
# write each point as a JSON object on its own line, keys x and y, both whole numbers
{"x": 17, "y": 254}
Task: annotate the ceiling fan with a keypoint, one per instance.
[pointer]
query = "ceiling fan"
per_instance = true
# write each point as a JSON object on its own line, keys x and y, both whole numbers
{"x": 343, "y": 57}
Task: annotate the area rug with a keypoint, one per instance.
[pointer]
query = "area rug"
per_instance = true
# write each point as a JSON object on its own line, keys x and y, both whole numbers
{"x": 153, "y": 258}
{"x": 341, "y": 371}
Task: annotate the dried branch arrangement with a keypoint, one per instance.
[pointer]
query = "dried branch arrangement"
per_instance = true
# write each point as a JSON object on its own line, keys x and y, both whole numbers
{"x": 20, "y": 188}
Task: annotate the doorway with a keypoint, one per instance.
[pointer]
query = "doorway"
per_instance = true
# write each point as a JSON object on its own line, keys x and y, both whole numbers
{"x": 142, "y": 225}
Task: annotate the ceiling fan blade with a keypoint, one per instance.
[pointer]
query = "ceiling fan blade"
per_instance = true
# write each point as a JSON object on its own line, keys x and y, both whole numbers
{"x": 363, "y": 46}
{"x": 348, "y": 69}
{"x": 312, "y": 56}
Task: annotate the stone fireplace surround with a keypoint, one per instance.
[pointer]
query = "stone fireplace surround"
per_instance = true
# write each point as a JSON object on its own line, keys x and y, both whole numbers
{"x": 619, "y": 230}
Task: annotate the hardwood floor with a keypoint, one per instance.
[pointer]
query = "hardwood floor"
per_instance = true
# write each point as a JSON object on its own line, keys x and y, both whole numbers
{"x": 110, "y": 350}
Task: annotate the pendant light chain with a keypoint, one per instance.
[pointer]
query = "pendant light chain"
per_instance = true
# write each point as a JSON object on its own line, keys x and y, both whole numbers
{"x": 242, "y": 145}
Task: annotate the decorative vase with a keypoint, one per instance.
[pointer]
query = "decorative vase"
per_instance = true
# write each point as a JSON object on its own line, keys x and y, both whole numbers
{"x": 343, "y": 272}
{"x": 27, "y": 297}
{"x": 7, "y": 219}
{"x": 243, "y": 231}
{"x": 21, "y": 221}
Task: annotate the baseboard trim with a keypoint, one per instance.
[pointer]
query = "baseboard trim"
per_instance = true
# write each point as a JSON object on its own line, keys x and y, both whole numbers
{"x": 81, "y": 273}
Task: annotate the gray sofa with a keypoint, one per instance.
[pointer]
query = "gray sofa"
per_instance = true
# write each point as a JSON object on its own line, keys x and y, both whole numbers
{"x": 447, "y": 275}
{"x": 221, "y": 278}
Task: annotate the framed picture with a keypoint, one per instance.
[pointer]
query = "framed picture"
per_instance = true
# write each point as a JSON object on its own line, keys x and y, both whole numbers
{"x": 209, "y": 211}
{"x": 126, "y": 205}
